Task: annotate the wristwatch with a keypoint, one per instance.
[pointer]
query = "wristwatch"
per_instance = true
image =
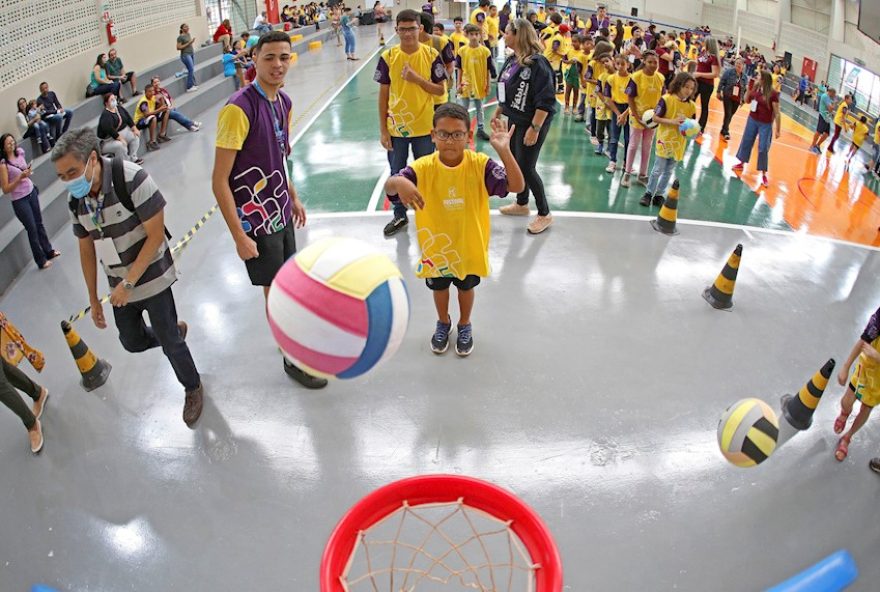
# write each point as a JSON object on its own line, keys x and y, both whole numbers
{"x": 127, "y": 285}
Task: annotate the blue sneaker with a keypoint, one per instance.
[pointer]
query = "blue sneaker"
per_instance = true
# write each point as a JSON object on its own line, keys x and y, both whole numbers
{"x": 598, "y": 150}
{"x": 464, "y": 345}
{"x": 440, "y": 340}
{"x": 816, "y": 150}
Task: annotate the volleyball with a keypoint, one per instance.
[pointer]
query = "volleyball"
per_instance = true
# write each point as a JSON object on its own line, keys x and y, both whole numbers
{"x": 747, "y": 432}
{"x": 338, "y": 308}
{"x": 648, "y": 119}
{"x": 689, "y": 128}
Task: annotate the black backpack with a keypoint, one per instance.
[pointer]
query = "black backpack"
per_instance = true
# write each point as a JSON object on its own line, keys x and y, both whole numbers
{"x": 120, "y": 188}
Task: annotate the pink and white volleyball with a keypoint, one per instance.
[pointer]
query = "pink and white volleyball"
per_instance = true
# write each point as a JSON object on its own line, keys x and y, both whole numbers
{"x": 338, "y": 308}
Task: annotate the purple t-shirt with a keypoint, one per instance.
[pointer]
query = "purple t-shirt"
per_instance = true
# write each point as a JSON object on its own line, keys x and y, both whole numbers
{"x": 14, "y": 167}
{"x": 495, "y": 178}
{"x": 872, "y": 330}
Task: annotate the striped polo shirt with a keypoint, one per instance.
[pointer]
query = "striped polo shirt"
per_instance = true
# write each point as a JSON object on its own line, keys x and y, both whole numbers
{"x": 126, "y": 230}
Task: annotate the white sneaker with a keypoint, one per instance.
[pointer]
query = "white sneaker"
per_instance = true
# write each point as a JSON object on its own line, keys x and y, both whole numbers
{"x": 611, "y": 167}
{"x": 594, "y": 141}
{"x": 196, "y": 126}
{"x": 192, "y": 89}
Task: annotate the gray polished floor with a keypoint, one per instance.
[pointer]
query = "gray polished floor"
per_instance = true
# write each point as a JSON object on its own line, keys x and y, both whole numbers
{"x": 594, "y": 391}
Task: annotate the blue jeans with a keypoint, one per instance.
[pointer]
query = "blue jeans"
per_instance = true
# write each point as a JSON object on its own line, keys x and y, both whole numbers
{"x": 478, "y": 105}
{"x": 660, "y": 175}
{"x": 397, "y": 156}
{"x": 27, "y": 210}
{"x": 764, "y": 133}
{"x": 180, "y": 118}
{"x": 59, "y": 123}
{"x": 189, "y": 61}
{"x": 263, "y": 29}
{"x": 136, "y": 336}
{"x": 348, "y": 35}
{"x": 102, "y": 89}
{"x": 614, "y": 138}
{"x": 40, "y": 131}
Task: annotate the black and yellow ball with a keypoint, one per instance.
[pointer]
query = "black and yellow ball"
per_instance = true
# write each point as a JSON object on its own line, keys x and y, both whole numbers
{"x": 747, "y": 432}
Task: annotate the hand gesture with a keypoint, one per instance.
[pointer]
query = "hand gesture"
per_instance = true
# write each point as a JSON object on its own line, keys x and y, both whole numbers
{"x": 409, "y": 196}
{"x": 409, "y": 74}
{"x": 97, "y": 310}
{"x": 500, "y": 137}
{"x": 621, "y": 119}
{"x": 26, "y": 173}
{"x": 299, "y": 213}
{"x": 247, "y": 248}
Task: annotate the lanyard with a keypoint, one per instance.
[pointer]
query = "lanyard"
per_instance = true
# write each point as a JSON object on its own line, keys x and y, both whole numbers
{"x": 97, "y": 213}
{"x": 279, "y": 130}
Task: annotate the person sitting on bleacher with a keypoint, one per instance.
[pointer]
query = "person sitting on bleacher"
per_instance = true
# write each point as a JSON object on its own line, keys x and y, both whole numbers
{"x": 116, "y": 71}
{"x": 149, "y": 115}
{"x": 173, "y": 114}
{"x": 54, "y": 114}
{"x": 223, "y": 35}
{"x": 31, "y": 125}
{"x": 117, "y": 132}
{"x": 100, "y": 83}
{"x": 261, "y": 24}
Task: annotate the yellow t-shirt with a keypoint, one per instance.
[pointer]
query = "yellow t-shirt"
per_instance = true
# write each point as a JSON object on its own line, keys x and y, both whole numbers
{"x": 682, "y": 46}
{"x": 648, "y": 90}
{"x": 596, "y": 69}
{"x": 777, "y": 81}
{"x": 839, "y": 117}
{"x": 439, "y": 43}
{"x": 865, "y": 379}
{"x": 602, "y": 111}
{"x": 627, "y": 32}
{"x": 410, "y": 109}
{"x": 473, "y": 20}
{"x": 555, "y": 57}
{"x": 151, "y": 106}
{"x": 459, "y": 40}
{"x": 877, "y": 133}
{"x": 548, "y": 32}
{"x": 454, "y": 227}
{"x": 542, "y": 16}
{"x": 492, "y": 29}
{"x": 670, "y": 142}
{"x": 860, "y": 131}
{"x": 475, "y": 71}
{"x": 693, "y": 52}
{"x": 578, "y": 60}
{"x": 616, "y": 85}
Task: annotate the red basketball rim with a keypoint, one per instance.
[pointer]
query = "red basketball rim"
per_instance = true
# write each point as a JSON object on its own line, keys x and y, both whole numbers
{"x": 427, "y": 489}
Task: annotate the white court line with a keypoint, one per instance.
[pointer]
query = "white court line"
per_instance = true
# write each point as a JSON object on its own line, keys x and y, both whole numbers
{"x": 639, "y": 218}
{"x": 357, "y": 71}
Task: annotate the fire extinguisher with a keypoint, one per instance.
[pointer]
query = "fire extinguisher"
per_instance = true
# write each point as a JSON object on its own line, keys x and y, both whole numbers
{"x": 111, "y": 32}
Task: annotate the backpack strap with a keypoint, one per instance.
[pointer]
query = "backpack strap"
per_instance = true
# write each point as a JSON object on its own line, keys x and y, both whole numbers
{"x": 120, "y": 187}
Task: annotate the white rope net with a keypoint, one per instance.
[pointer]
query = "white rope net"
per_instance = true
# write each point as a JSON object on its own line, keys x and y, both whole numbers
{"x": 439, "y": 547}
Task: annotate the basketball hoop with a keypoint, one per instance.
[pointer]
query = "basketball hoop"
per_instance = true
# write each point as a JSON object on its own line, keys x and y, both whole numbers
{"x": 434, "y": 531}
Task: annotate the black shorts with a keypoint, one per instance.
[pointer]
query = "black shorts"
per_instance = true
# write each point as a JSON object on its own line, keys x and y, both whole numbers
{"x": 144, "y": 122}
{"x": 823, "y": 127}
{"x": 442, "y": 283}
{"x": 274, "y": 250}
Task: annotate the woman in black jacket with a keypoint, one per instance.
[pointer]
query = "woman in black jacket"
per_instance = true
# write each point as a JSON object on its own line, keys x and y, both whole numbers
{"x": 525, "y": 96}
{"x": 117, "y": 132}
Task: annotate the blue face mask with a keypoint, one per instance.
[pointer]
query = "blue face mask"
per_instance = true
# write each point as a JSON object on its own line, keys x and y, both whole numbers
{"x": 79, "y": 187}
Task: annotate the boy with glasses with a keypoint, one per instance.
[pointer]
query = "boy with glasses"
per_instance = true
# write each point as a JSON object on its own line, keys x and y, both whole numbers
{"x": 450, "y": 191}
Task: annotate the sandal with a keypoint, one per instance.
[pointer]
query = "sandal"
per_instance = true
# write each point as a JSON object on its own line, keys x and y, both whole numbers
{"x": 842, "y": 448}
{"x": 840, "y": 423}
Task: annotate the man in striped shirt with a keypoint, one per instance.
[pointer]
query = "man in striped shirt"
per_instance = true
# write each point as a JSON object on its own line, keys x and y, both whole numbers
{"x": 134, "y": 254}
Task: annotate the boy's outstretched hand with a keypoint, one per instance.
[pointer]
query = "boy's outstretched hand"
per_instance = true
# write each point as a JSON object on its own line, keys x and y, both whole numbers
{"x": 500, "y": 137}
{"x": 409, "y": 195}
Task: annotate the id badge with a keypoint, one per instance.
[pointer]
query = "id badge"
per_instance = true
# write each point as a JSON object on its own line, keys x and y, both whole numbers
{"x": 735, "y": 92}
{"x": 107, "y": 252}
{"x": 502, "y": 93}
{"x": 753, "y": 106}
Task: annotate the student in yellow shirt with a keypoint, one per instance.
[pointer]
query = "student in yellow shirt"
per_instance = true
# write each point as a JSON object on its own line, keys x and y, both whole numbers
{"x": 576, "y": 68}
{"x": 603, "y": 113}
{"x": 474, "y": 68}
{"x": 458, "y": 37}
{"x": 443, "y": 46}
{"x": 860, "y": 132}
{"x": 450, "y": 192}
{"x": 614, "y": 95}
{"x": 840, "y": 121}
{"x": 674, "y": 107}
{"x": 492, "y": 30}
{"x": 410, "y": 75}
{"x": 595, "y": 68}
{"x": 553, "y": 23}
{"x": 587, "y": 51}
{"x": 644, "y": 92}
{"x": 478, "y": 17}
{"x": 554, "y": 51}
{"x": 875, "y": 158}
{"x": 542, "y": 14}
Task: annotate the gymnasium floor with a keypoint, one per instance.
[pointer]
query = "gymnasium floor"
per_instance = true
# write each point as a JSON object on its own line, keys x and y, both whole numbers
{"x": 594, "y": 390}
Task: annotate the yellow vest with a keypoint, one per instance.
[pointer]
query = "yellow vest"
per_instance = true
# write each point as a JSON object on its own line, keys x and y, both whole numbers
{"x": 474, "y": 71}
{"x": 839, "y": 117}
{"x": 459, "y": 40}
{"x": 492, "y": 29}
{"x": 670, "y": 142}
{"x": 410, "y": 109}
{"x": 649, "y": 89}
{"x": 453, "y": 228}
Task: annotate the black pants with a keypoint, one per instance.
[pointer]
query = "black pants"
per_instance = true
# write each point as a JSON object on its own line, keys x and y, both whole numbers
{"x": 730, "y": 107}
{"x": 136, "y": 336}
{"x": 704, "y": 90}
{"x": 10, "y": 379}
{"x": 27, "y": 210}
{"x": 527, "y": 159}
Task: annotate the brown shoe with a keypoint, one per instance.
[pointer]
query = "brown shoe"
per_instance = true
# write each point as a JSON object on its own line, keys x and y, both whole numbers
{"x": 192, "y": 406}
{"x": 164, "y": 139}
{"x": 36, "y": 436}
{"x": 540, "y": 223}
{"x": 514, "y": 209}
{"x": 183, "y": 328}
{"x": 40, "y": 403}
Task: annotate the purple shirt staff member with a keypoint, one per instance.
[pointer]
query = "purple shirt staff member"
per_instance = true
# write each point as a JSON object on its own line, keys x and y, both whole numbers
{"x": 251, "y": 182}
{"x": 600, "y": 20}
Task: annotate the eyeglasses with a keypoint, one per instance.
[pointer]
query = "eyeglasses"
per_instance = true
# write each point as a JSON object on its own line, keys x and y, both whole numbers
{"x": 446, "y": 136}
{"x": 407, "y": 29}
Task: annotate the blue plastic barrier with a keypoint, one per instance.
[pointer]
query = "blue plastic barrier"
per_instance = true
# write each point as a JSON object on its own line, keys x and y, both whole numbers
{"x": 832, "y": 574}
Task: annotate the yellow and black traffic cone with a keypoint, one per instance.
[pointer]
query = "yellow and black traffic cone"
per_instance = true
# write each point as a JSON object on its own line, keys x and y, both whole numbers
{"x": 665, "y": 221}
{"x": 720, "y": 294}
{"x": 798, "y": 410}
{"x": 381, "y": 39}
{"x": 94, "y": 370}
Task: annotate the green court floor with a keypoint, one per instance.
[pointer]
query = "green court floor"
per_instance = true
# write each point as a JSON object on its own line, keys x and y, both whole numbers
{"x": 338, "y": 162}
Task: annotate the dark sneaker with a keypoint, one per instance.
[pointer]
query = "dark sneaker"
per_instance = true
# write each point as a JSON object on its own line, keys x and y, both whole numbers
{"x": 658, "y": 200}
{"x": 183, "y": 328}
{"x": 440, "y": 340}
{"x": 464, "y": 345}
{"x": 305, "y": 379}
{"x": 395, "y": 226}
{"x": 874, "y": 465}
{"x": 646, "y": 200}
{"x": 192, "y": 406}
{"x": 481, "y": 134}
{"x": 164, "y": 139}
